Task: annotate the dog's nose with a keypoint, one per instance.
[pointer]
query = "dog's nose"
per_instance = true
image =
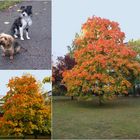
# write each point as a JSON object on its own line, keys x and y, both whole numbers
{"x": 23, "y": 14}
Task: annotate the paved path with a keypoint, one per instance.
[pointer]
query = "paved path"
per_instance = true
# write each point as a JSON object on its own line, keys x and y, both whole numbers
{"x": 38, "y": 54}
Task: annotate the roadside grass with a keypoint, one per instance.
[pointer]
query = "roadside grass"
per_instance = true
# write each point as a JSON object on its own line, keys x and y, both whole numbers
{"x": 7, "y": 3}
{"x": 118, "y": 119}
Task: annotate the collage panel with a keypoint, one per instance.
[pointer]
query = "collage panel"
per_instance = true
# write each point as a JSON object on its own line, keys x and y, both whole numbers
{"x": 25, "y": 34}
{"x": 96, "y": 69}
{"x": 25, "y": 104}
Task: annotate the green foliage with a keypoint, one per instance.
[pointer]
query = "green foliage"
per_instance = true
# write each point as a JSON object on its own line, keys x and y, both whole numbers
{"x": 135, "y": 45}
{"x": 59, "y": 90}
{"x": 46, "y": 80}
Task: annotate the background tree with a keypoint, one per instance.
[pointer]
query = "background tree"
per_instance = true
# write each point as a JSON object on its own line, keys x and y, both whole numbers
{"x": 46, "y": 94}
{"x": 25, "y": 111}
{"x": 47, "y": 80}
{"x": 135, "y": 45}
{"x": 104, "y": 64}
{"x": 63, "y": 63}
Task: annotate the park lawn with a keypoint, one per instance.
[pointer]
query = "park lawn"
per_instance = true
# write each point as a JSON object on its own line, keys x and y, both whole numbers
{"x": 7, "y": 3}
{"x": 87, "y": 120}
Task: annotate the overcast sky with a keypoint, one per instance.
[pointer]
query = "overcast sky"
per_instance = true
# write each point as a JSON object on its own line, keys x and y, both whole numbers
{"x": 69, "y": 15}
{"x": 5, "y": 75}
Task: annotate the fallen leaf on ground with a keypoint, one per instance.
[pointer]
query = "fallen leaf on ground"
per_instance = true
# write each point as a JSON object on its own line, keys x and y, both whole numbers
{"x": 6, "y": 22}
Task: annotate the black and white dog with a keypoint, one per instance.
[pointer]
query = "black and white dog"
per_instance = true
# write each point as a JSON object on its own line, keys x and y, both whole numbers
{"x": 22, "y": 23}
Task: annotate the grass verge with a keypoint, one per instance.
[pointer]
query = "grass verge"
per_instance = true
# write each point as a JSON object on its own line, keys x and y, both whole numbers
{"x": 7, "y": 3}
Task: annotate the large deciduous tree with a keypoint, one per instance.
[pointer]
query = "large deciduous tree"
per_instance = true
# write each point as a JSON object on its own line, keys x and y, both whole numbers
{"x": 104, "y": 66}
{"x": 24, "y": 109}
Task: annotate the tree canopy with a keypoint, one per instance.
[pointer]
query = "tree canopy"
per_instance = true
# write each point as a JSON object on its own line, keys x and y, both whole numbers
{"x": 25, "y": 111}
{"x": 104, "y": 66}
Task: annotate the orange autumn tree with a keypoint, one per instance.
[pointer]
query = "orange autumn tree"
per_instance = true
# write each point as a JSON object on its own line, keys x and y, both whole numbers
{"x": 24, "y": 109}
{"x": 105, "y": 65}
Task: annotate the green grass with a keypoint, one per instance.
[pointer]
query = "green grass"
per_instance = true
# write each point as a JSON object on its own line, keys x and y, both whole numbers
{"x": 87, "y": 120}
{"x": 7, "y": 3}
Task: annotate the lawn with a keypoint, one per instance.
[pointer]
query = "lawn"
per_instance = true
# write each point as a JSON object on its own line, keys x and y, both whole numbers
{"x": 7, "y": 3}
{"x": 86, "y": 119}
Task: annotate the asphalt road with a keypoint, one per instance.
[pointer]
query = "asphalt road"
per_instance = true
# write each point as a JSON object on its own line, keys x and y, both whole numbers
{"x": 37, "y": 51}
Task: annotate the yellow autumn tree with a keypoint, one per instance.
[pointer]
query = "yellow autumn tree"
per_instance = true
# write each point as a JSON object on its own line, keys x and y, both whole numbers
{"x": 25, "y": 111}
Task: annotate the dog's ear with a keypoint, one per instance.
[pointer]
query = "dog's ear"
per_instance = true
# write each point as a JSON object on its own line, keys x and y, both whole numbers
{"x": 29, "y": 7}
{"x": 22, "y": 7}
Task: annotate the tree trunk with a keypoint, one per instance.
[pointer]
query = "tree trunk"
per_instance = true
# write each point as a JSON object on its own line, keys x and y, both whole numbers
{"x": 134, "y": 91}
{"x": 72, "y": 97}
{"x": 35, "y": 136}
{"x": 100, "y": 100}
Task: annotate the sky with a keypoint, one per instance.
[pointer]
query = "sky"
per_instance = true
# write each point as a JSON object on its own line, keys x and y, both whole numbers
{"x": 69, "y": 15}
{"x": 5, "y": 75}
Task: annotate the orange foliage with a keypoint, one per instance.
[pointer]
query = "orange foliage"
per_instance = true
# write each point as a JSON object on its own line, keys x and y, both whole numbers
{"x": 25, "y": 111}
{"x": 104, "y": 63}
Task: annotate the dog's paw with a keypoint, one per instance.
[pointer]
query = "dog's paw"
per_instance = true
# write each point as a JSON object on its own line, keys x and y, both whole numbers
{"x": 21, "y": 38}
{"x": 15, "y": 36}
{"x": 28, "y": 38}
